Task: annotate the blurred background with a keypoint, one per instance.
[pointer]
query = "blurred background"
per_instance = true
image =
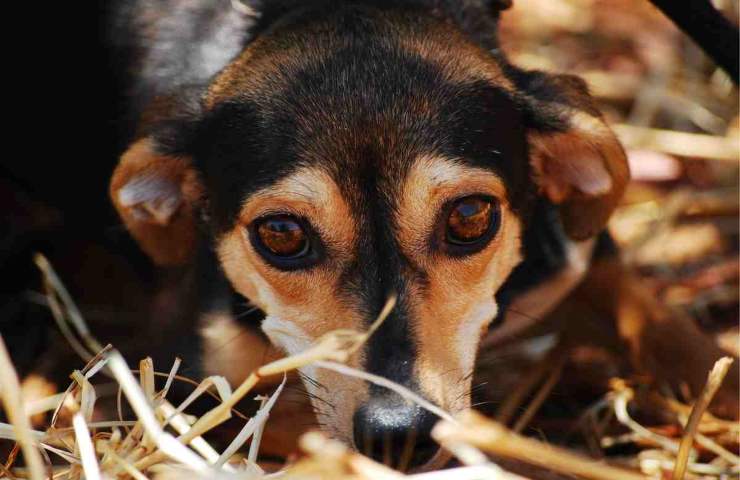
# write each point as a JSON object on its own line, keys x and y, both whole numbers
{"x": 677, "y": 116}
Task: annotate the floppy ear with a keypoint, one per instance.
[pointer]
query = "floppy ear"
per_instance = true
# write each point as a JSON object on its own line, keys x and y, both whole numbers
{"x": 156, "y": 195}
{"x": 577, "y": 161}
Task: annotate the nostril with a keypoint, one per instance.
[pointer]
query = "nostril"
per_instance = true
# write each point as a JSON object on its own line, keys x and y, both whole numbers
{"x": 424, "y": 449}
{"x": 399, "y": 437}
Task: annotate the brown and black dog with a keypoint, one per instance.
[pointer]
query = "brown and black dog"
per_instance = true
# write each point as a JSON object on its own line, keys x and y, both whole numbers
{"x": 321, "y": 156}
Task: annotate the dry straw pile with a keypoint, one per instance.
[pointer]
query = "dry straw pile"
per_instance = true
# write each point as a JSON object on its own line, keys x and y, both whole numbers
{"x": 163, "y": 441}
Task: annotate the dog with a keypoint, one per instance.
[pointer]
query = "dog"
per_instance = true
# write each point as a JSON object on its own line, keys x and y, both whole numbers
{"x": 316, "y": 158}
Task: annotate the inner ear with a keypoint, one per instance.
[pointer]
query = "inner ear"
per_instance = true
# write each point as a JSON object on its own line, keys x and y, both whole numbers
{"x": 576, "y": 159}
{"x": 156, "y": 196}
{"x": 151, "y": 198}
{"x": 567, "y": 163}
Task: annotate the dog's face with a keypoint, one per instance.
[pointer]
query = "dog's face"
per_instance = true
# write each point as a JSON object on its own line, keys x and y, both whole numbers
{"x": 345, "y": 159}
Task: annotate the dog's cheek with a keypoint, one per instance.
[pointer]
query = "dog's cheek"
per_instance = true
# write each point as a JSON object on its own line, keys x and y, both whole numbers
{"x": 291, "y": 339}
{"x": 456, "y": 312}
{"x": 334, "y": 397}
{"x": 241, "y": 271}
{"x": 470, "y": 331}
{"x": 306, "y": 299}
{"x": 286, "y": 335}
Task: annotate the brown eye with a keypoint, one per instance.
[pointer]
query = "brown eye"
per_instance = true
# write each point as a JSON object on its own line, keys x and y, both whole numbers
{"x": 282, "y": 235}
{"x": 471, "y": 220}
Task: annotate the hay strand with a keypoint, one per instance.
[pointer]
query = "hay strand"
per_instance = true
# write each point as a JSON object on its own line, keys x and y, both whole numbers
{"x": 714, "y": 380}
{"x": 10, "y": 392}
{"x": 85, "y": 446}
{"x": 494, "y": 438}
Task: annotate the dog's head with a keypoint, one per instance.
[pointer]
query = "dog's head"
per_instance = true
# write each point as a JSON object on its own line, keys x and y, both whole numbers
{"x": 354, "y": 153}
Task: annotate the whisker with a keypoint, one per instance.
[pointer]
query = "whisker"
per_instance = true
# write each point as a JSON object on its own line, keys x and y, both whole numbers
{"x": 466, "y": 377}
{"x": 487, "y": 402}
{"x": 479, "y": 385}
{"x": 520, "y": 313}
{"x": 293, "y": 402}
{"x": 468, "y": 393}
{"x": 473, "y": 390}
{"x": 245, "y": 313}
{"x": 312, "y": 381}
{"x": 324, "y": 401}
{"x": 295, "y": 388}
{"x": 447, "y": 372}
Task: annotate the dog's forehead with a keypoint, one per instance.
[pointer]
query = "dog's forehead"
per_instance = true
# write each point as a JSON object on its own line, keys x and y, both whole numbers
{"x": 308, "y": 37}
{"x": 363, "y": 102}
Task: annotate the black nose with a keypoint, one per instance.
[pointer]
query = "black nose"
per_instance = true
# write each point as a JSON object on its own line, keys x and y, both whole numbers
{"x": 395, "y": 433}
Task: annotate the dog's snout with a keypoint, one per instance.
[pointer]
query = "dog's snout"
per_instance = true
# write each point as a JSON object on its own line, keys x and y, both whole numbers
{"x": 395, "y": 433}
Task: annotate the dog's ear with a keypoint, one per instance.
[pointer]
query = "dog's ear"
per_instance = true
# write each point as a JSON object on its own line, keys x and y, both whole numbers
{"x": 576, "y": 159}
{"x": 156, "y": 195}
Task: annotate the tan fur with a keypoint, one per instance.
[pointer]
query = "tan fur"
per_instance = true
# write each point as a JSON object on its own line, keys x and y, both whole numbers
{"x": 584, "y": 169}
{"x": 448, "y": 316}
{"x": 452, "y": 311}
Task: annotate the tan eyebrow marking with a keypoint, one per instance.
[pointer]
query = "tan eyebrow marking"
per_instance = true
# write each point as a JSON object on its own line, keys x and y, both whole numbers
{"x": 432, "y": 181}
{"x": 309, "y": 192}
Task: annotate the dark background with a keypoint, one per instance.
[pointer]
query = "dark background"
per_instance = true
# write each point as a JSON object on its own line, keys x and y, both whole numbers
{"x": 69, "y": 129}
{"x": 76, "y": 92}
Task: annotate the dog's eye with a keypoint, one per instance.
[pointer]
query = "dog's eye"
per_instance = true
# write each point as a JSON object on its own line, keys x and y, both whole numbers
{"x": 283, "y": 236}
{"x": 472, "y": 220}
